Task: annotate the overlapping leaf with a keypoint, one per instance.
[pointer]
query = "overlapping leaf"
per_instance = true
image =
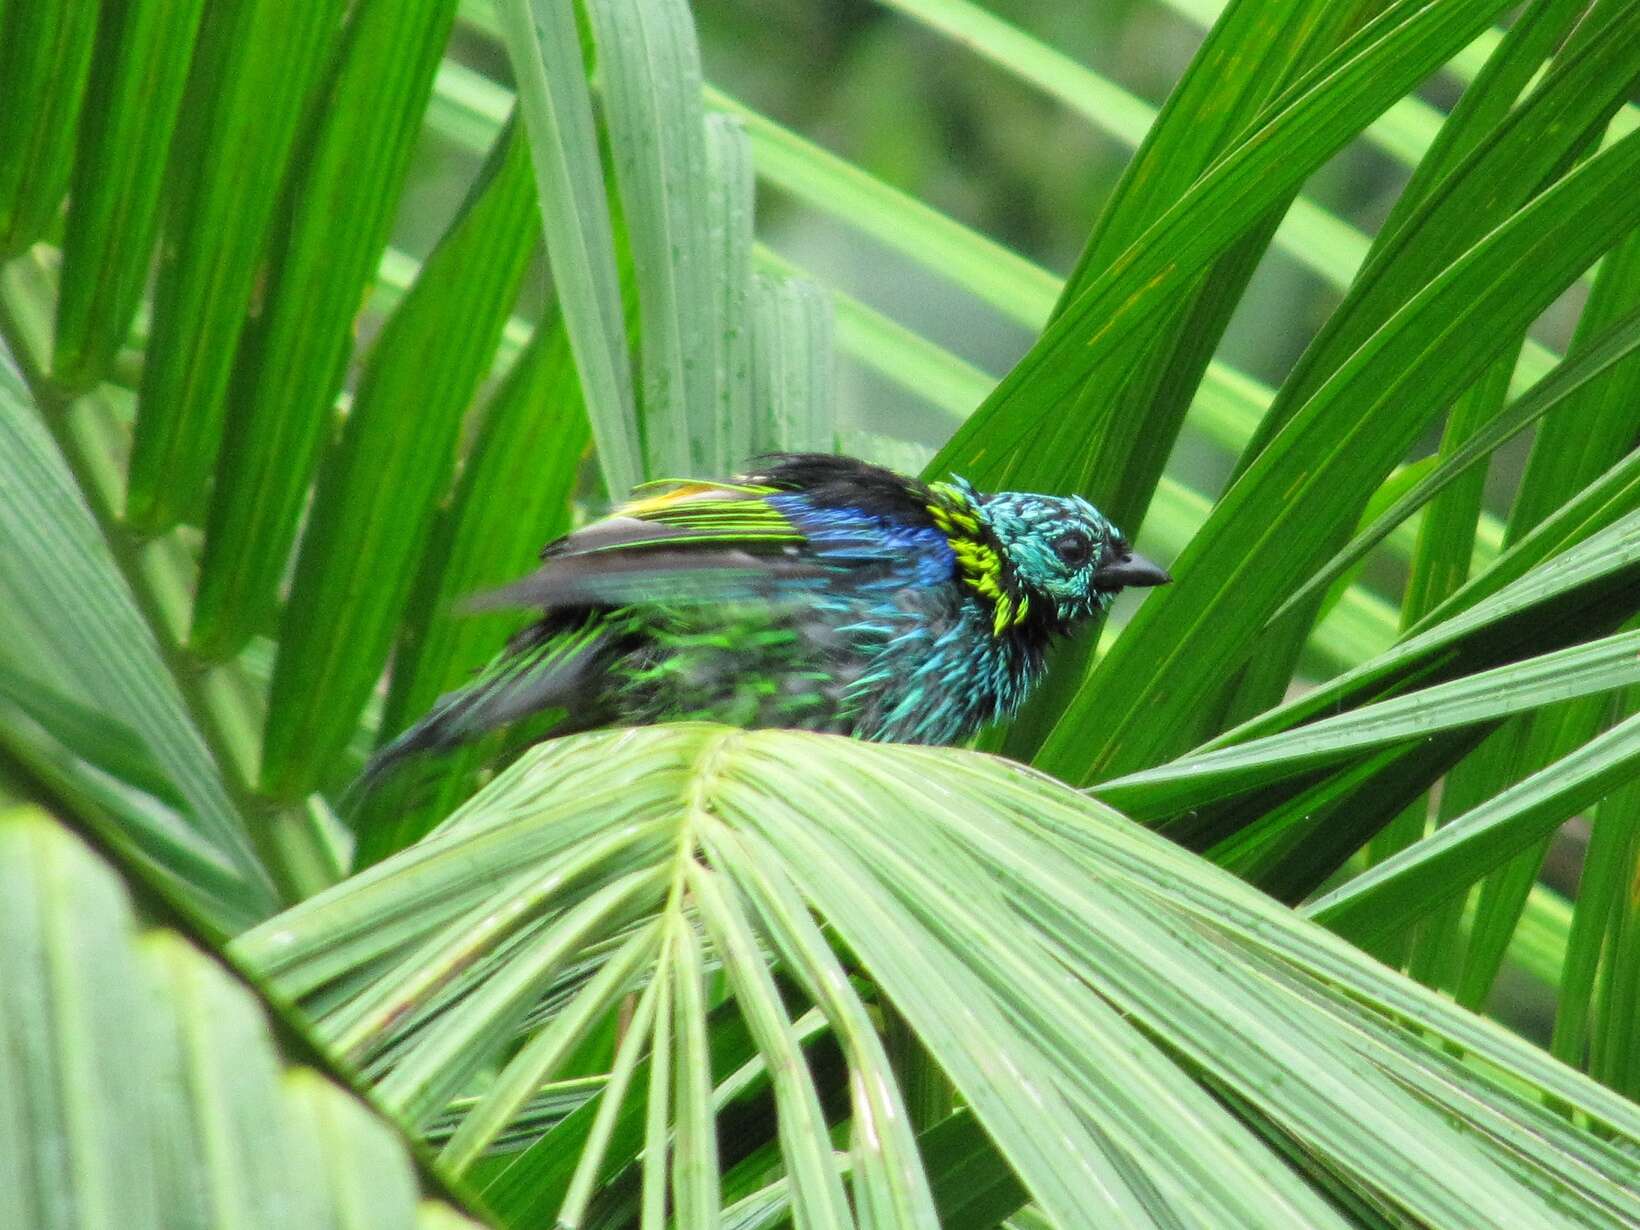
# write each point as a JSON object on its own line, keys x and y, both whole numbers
{"x": 142, "y": 1084}
{"x": 955, "y": 881}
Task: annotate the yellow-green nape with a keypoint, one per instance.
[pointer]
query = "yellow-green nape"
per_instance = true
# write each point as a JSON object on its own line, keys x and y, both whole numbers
{"x": 954, "y": 509}
{"x": 977, "y": 560}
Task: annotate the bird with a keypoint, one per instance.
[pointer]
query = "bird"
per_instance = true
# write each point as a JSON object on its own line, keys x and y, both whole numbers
{"x": 816, "y": 592}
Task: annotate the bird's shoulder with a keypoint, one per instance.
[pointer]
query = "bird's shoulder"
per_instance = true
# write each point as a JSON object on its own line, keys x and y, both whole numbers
{"x": 883, "y": 530}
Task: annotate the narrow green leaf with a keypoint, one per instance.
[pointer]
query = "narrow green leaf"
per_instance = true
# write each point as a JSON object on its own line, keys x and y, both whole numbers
{"x": 137, "y": 76}
{"x": 1336, "y": 101}
{"x": 328, "y": 235}
{"x": 448, "y": 1053}
{"x": 1397, "y": 891}
{"x": 33, "y": 769}
{"x": 1545, "y": 739}
{"x": 1602, "y": 882}
{"x": 580, "y": 880}
{"x": 972, "y": 1184}
{"x": 249, "y": 87}
{"x": 722, "y": 441}
{"x": 377, "y": 492}
{"x": 658, "y": 1104}
{"x": 890, "y": 1188}
{"x": 804, "y": 1142}
{"x": 557, "y": 108}
{"x": 1613, "y": 1055}
{"x": 1400, "y": 480}
{"x": 90, "y": 733}
{"x": 588, "y": 1169}
{"x": 1600, "y": 423}
{"x": 1538, "y": 948}
{"x": 1446, "y": 533}
{"x": 45, "y": 56}
{"x": 649, "y": 69}
{"x": 1289, "y": 847}
{"x": 1584, "y": 367}
{"x": 541, "y": 1056}
{"x": 696, "y": 1178}
{"x": 791, "y": 367}
{"x": 1252, "y": 52}
{"x": 549, "y": 1105}
{"x": 1506, "y": 73}
{"x": 1582, "y": 670}
{"x": 1464, "y": 195}
{"x": 1264, "y": 535}
{"x": 1599, "y": 506}
{"x": 56, "y": 575}
{"x": 512, "y": 498}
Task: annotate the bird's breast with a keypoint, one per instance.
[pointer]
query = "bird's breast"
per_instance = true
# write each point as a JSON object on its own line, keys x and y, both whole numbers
{"x": 929, "y": 669}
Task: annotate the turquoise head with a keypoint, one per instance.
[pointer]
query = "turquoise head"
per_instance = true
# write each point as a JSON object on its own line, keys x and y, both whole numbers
{"x": 1045, "y": 560}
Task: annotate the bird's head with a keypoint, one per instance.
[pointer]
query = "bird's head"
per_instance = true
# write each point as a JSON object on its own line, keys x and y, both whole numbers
{"x": 1052, "y": 560}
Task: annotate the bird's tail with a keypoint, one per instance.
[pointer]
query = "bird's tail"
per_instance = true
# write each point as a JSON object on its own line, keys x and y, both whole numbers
{"x": 543, "y": 669}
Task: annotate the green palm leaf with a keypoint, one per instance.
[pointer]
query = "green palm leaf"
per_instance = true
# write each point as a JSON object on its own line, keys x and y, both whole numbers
{"x": 146, "y": 1087}
{"x": 1116, "y": 981}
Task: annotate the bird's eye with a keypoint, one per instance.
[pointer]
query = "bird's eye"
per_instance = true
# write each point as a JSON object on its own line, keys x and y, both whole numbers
{"x": 1073, "y": 549}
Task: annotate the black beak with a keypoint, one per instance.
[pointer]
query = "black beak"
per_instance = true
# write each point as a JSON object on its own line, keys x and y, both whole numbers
{"x": 1129, "y": 570}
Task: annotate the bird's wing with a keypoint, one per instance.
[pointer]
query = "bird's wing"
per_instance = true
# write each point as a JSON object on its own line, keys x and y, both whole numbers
{"x": 548, "y": 665}
{"x": 688, "y": 542}
{"x": 705, "y": 516}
